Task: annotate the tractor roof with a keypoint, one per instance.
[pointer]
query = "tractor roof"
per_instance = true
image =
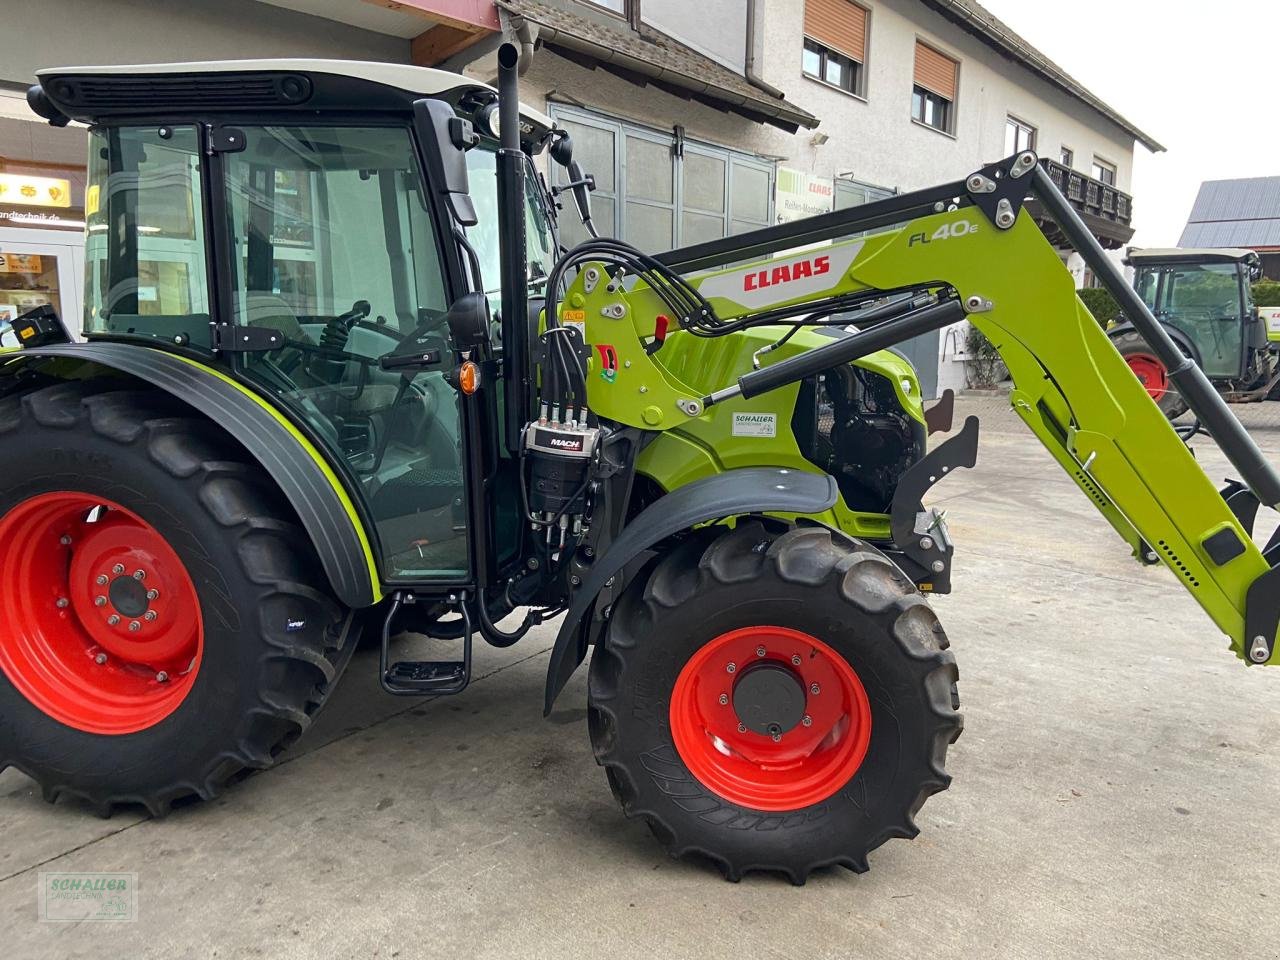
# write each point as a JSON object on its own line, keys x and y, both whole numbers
{"x": 1189, "y": 255}
{"x": 95, "y": 94}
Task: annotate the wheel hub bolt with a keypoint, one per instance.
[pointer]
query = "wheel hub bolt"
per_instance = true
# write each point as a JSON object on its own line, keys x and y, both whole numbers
{"x": 742, "y": 728}
{"x": 760, "y": 651}
{"x": 807, "y": 721}
{"x": 63, "y": 603}
{"x": 150, "y": 615}
{"x": 65, "y": 540}
{"x": 162, "y": 677}
{"x": 777, "y": 737}
{"x": 100, "y": 659}
{"x": 134, "y": 626}
{"x": 815, "y": 689}
{"x": 102, "y": 580}
{"x": 730, "y": 667}
{"x": 139, "y": 574}
{"x": 152, "y": 594}
{"x": 99, "y": 601}
{"x": 795, "y": 660}
{"x": 118, "y": 569}
{"x": 724, "y": 699}
{"x": 113, "y": 620}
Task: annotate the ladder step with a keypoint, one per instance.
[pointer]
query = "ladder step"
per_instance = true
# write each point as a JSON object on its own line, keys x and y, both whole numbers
{"x": 426, "y": 675}
{"x": 407, "y": 678}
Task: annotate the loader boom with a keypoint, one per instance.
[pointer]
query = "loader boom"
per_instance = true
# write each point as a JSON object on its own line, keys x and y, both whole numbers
{"x": 981, "y": 256}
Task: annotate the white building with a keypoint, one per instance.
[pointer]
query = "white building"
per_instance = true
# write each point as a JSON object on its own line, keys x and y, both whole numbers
{"x": 700, "y": 119}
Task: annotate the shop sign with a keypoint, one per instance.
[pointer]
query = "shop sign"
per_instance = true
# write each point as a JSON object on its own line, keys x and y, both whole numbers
{"x": 799, "y": 195}
{"x": 22, "y": 190}
{"x": 20, "y": 263}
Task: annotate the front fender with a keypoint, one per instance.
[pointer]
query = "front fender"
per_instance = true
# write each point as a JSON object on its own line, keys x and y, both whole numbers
{"x": 730, "y": 494}
{"x": 323, "y": 505}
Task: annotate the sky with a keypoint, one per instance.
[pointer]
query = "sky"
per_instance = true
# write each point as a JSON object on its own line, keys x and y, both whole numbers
{"x": 1201, "y": 78}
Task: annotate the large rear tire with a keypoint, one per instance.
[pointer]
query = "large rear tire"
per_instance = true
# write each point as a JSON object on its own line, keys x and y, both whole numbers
{"x": 166, "y": 626}
{"x": 777, "y": 701}
{"x": 1151, "y": 373}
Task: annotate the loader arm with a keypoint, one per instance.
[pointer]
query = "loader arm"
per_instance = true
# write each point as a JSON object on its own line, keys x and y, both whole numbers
{"x": 986, "y": 255}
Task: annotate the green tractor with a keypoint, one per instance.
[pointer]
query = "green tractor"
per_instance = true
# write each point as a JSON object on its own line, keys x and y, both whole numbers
{"x": 1204, "y": 300}
{"x": 339, "y": 379}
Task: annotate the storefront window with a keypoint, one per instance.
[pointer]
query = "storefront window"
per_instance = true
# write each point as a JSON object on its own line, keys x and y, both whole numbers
{"x": 27, "y": 280}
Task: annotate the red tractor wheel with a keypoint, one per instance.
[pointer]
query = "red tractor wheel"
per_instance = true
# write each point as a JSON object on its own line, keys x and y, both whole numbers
{"x": 164, "y": 625}
{"x": 775, "y": 700}
{"x": 1151, "y": 373}
{"x": 100, "y": 626}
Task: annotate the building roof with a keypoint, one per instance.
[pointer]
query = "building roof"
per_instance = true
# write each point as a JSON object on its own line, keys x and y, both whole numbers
{"x": 998, "y": 35}
{"x": 649, "y": 56}
{"x": 1235, "y": 213}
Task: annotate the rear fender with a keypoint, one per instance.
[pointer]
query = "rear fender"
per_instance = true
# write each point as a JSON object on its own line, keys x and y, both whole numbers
{"x": 1179, "y": 337}
{"x": 730, "y": 494}
{"x": 324, "y": 507}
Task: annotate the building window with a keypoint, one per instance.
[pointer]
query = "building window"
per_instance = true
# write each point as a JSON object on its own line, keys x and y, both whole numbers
{"x": 1105, "y": 171}
{"x": 1067, "y": 157}
{"x": 931, "y": 109}
{"x": 655, "y": 199}
{"x": 1018, "y": 136}
{"x": 832, "y": 67}
{"x": 933, "y": 95}
{"x": 613, "y": 6}
{"x": 835, "y": 44}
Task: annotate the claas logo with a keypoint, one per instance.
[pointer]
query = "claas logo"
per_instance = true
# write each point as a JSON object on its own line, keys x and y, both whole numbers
{"x": 785, "y": 273}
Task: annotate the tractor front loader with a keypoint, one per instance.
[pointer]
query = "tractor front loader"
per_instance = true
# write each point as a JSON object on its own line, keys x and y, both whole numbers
{"x": 338, "y": 377}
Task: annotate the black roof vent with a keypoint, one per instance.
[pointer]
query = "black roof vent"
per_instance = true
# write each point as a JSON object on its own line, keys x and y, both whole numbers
{"x": 110, "y": 94}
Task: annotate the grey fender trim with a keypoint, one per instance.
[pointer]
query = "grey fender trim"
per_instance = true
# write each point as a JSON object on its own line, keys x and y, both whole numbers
{"x": 730, "y": 494}
{"x": 319, "y": 506}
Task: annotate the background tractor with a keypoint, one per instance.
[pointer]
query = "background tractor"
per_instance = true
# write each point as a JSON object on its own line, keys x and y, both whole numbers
{"x": 1204, "y": 300}
{"x": 339, "y": 378}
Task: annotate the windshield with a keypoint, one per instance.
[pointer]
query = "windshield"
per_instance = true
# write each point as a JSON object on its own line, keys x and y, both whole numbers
{"x": 1203, "y": 301}
{"x": 540, "y": 246}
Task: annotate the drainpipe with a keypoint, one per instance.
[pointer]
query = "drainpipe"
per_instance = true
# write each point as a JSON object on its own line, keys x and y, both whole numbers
{"x": 527, "y": 34}
{"x": 749, "y": 70}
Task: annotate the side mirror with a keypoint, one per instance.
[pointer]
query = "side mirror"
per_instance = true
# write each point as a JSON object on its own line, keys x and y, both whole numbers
{"x": 468, "y": 322}
{"x": 446, "y": 138}
{"x": 581, "y": 184}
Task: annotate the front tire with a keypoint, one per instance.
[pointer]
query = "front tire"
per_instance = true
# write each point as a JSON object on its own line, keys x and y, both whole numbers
{"x": 802, "y": 781}
{"x": 166, "y": 625}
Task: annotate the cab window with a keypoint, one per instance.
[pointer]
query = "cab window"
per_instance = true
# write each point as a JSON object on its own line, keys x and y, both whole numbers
{"x": 333, "y": 248}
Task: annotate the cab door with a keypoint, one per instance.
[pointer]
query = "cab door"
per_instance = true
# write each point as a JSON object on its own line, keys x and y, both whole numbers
{"x": 330, "y": 244}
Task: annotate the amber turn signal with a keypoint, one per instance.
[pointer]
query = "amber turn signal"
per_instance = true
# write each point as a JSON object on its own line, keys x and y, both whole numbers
{"x": 469, "y": 378}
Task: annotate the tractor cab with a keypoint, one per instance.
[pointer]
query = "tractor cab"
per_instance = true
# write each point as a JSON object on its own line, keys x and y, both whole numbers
{"x": 1204, "y": 296}
{"x": 298, "y": 199}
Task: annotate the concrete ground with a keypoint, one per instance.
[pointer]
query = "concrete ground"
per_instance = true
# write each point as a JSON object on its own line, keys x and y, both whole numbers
{"x": 1114, "y": 796}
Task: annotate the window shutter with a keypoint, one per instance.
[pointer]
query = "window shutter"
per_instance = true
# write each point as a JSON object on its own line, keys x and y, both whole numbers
{"x": 935, "y": 72}
{"x": 838, "y": 24}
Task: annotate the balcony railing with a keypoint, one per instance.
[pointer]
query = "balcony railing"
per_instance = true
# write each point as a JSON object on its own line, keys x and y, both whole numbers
{"x": 1106, "y": 210}
{"x": 1090, "y": 195}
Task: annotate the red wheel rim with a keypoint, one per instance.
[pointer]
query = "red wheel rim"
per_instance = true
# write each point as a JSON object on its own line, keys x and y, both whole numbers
{"x": 1151, "y": 373}
{"x": 726, "y": 738}
{"x": 82, "y": 636}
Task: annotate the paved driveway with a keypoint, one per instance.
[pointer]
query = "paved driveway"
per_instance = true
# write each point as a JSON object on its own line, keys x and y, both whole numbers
{"x": 1115, "y": 795}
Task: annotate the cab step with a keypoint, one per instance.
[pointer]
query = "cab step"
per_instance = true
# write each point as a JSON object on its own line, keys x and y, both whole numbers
{"x": 409, "y": 678}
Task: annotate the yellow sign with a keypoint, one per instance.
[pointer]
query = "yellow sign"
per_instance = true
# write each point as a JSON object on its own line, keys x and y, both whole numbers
{"x": 18, "y": 188}
{"x": 91, "y": 195}
{"x": 20, "y": 263}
